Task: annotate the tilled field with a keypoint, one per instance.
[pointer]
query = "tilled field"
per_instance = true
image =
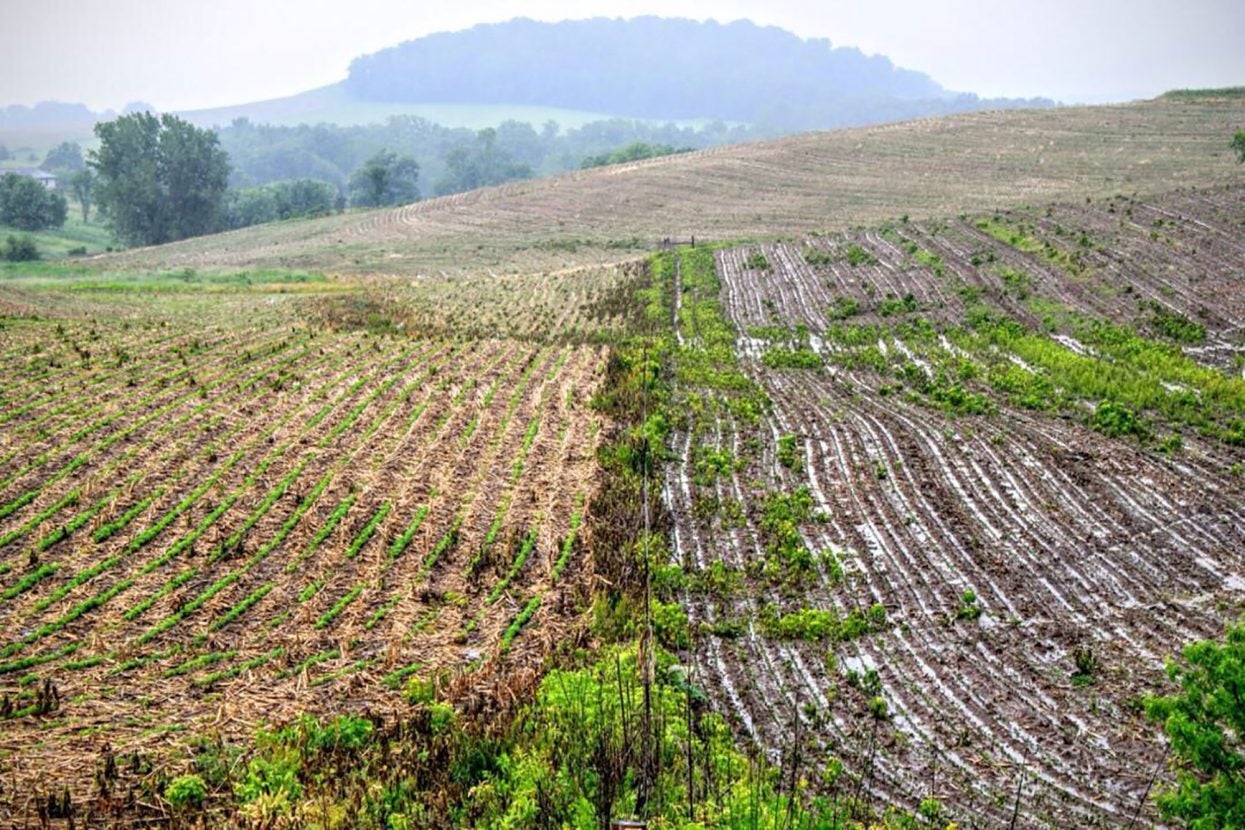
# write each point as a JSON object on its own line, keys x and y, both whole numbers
{"x": 1003, "y": 568}
{"x": 813, "y": 182}
{"x": 204, "y": 529}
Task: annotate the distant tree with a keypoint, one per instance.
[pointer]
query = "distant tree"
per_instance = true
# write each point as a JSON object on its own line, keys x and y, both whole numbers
{"x": 634, "y": 151}
{"x": 159, "y": 179}
{"x": 248, "y": 206}
{"x": 1205, "y": 723}
{"x": 82, "y": 186}
{"x": 1238, "y": 144}
{"x": 5, "y": 155}
{"x": 306, "y": 197}
{"x": 481, "y": 164}
{"x": 385, "y": 179}
{"x": 64, "y": 157}
{"x": 28, "y": 205}
{"x": 279, "y": 200}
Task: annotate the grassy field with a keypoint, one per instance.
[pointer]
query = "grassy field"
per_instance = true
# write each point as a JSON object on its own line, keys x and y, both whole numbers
{"x": 56, "y": 243}
{"x": 813, "y": 182}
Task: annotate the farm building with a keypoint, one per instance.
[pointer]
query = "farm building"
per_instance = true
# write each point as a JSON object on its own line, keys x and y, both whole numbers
{"x": 42, "y": 176}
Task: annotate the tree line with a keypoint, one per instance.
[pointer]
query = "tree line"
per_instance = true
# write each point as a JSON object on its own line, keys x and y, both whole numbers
{"x": 156, "y": 179}
{"x": 649, "y": 67}
{"x": 451, "y": 160}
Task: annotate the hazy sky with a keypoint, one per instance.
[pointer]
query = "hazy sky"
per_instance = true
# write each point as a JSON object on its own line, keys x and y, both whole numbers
{"x": 188, "y": 54}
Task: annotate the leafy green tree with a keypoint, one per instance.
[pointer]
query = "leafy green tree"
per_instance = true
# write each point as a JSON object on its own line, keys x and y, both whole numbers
{"x": 279, "y": 200}
{"x": 159, "y": 179}
{"x": 306, "y": 197}
{"x": 1205, "y": 723}
{"x": 1238, "y": 144}
{"x": 635, "y": 151}
{"x": 64, "y": 157}
{"x": 248, "y": 206}
{"x": 481, "y": 164}
{"x": 385, "y": 179}
{"x": 82, "y": 186}
{"x": 29, "y": 206}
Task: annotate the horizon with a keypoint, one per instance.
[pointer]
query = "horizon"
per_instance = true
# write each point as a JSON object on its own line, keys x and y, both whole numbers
{"x": 171, "y": 55}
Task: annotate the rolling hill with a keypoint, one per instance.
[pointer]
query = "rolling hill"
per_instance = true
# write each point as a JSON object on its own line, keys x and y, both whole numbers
{"x": 296, "y": 531}
{"x": 657, "y": 68}
{"x": 806, "y": 183}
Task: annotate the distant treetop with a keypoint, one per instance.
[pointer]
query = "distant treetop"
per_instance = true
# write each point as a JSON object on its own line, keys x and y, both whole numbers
{"x": 1195, "y": 94}
{"x": 654, "y": 68}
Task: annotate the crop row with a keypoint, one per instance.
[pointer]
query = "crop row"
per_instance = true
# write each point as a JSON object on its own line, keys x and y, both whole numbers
{"x": 956, "y": 593}
{"x": 296, "y": 534}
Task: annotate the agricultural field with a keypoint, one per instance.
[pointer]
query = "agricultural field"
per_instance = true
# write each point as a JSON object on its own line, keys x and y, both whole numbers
{"x": 948, "y": 448}
{"x": 212, "y": 520}
{"x": 814, "y": 182}
{"x": 947, "y": 494}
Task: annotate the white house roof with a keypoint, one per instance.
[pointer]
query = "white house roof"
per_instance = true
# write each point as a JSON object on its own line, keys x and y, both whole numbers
{"x": 34, "y": 173}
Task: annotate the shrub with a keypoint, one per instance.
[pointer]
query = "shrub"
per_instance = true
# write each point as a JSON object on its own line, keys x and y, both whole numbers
{"x": 1116, "y": 420}
{"x": 19, "y": 249}
{"x": 817, "y": 256}
{"x": 895, "y": 306}
{"x": 969, "y": 609}
{"x": 843, "y": 308}
{"x": 857, "y": 255}
{"x": 1175, "y": 326}
{"x": 756, "y": 261}
{"x": 670, "y": 625}
{"x": 185, "y": 792}
{"x": 781, "y": 357}
{"x": 1204, "y": 721}
{"x": 1086, "y": 663}
{"x": 787, "y": 453}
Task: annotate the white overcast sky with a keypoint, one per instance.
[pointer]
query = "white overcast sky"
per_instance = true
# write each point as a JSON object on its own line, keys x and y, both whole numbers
{"x": 189, "y": 54}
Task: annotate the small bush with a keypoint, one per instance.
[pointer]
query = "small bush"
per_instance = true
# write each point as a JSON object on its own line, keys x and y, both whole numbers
{"x": 1086, "y": 663}
{"x": 19, "y": 249}
{"x": 857, "y": 255}
{"x": 1175, "y": 326}
{"x": 756, "y": 261}
{"x": 185, "y": 792}
{"x": 1116, "y": 421}
{"x": 670, "y": 625}
{"x": 781, "y": 357}
{"x": 895, "y": 306}
{"x": 843, "y": 308}
{"x": 787, "y": 453}
{"x": 969, "y": 609}
{"x": 817, "y": 256}
{"x": 420, "y": 690}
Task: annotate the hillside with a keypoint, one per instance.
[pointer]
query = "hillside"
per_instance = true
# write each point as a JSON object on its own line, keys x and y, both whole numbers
{"x": 651, "y": 67}
{"x": 812, "y": 182}
{"x": 948, "y": 461}
{"x": 1009, "y": 447}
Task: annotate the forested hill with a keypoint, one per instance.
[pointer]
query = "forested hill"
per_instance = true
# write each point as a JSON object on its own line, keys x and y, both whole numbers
{"x": 659, "y": 68}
